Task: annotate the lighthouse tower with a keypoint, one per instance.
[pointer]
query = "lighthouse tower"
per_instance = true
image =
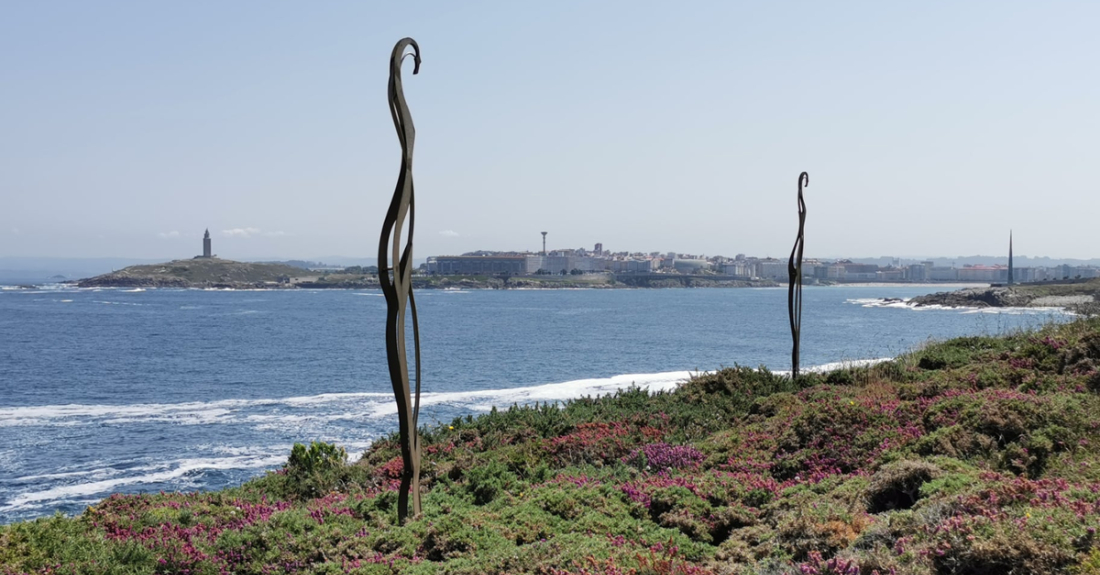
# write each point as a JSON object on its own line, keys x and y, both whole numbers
{"x": 206, "y": 253}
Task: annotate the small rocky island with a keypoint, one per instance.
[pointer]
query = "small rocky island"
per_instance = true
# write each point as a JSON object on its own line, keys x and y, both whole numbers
{"x": 1069, "y": 294}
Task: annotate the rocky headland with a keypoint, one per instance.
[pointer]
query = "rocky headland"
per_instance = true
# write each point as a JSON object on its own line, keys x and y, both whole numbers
{"x": 201, "y": 273}
{"x": 1068, "y": 294}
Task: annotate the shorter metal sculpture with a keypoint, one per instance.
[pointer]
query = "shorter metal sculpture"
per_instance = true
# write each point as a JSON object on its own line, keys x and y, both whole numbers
{"x": 395, "y": 278}
{"x": 794, "y": 270}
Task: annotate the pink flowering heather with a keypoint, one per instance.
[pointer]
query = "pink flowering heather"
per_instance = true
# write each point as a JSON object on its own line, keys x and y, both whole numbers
{"x": 662, "y": 456}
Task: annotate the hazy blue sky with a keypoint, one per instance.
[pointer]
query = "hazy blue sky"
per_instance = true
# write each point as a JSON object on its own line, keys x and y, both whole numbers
{"x": 928, "y": 128}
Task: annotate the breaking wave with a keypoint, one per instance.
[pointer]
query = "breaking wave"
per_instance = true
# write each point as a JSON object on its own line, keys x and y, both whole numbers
{"x": 170, "y": 471}
{"x": 318, "y": 407}
{"x": 905, "y": 303}
{"x": 84, "y": 484}
{"x": 312, "y": 407}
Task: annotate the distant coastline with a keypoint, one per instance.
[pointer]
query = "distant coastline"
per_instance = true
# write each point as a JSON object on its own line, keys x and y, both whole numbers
{"x": 215, "y": 273}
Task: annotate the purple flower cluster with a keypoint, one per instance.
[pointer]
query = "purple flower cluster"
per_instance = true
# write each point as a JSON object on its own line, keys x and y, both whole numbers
{"x": 662, "y": 456}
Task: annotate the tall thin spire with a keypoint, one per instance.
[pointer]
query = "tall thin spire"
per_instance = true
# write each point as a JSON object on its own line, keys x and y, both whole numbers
{"x": 1010, "y": 278}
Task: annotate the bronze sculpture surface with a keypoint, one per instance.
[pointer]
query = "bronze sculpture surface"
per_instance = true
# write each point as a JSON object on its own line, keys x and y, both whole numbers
{"x": 395, "y": 277}
{"x": 794, "y": 270}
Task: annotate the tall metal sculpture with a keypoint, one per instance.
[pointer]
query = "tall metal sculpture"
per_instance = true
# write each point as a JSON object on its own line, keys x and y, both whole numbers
{"x": 395, "y": 277}
{"x": 794, "y": 270}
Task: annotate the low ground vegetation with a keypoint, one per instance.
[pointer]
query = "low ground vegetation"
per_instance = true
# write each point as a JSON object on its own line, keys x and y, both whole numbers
{"x": 977, "y": 455}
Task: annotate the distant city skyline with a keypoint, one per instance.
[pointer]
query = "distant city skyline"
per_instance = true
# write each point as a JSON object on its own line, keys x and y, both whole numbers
{"x": 926, "y": 129}
{"x": 205, "y": 250}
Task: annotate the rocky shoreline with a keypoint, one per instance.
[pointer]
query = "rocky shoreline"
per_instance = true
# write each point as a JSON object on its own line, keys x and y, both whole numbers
{"x": 1070, "y": 296}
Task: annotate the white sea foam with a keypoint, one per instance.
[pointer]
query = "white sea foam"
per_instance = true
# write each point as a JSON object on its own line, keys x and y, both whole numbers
{"x": 907, "y": 304}
{"x": 894, "y": 303}
{"x": 366, "y": 405}
{"x": 62, "y": 475}
{"x": 485, "y": 400}
{"x": 100, "y": 480}
{"x": 373, "y": 405}
{"x": 78, "y": 414}
{"x": 1017, "y": 310}
{"x": 166, "y": 472}
{"x": 847, "y": 364}
{"x": 877, "y": 302}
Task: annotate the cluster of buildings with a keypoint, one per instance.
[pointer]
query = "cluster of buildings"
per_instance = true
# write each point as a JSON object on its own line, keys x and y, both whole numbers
{"x": 546, "y": 262}
{"x": 848, "y": 271}
{"x": 741, "y": 267}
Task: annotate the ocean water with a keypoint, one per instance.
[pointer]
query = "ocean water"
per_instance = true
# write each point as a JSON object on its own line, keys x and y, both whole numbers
{"x": 105, "y": 391}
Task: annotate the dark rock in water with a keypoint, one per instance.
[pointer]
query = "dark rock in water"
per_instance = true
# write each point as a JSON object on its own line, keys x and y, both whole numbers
{"x": 976, "y": 297}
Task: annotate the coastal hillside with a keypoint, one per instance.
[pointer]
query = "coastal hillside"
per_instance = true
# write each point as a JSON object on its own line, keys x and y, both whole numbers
{"x": 1068, "y": 294}
{"x": 199, "y": 272}
{"x": 977, "y": 455}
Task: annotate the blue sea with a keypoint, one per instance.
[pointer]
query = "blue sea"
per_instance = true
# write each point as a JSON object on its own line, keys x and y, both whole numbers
{"x": 105, "y": 391}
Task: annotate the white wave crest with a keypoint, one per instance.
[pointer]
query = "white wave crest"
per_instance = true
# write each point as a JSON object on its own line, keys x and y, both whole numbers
{"x": 899, "y": 303}
{"x": 484, "y": 400}
{"x": 847, "y": 364}
{"x": 370, "y": 405}
{"x": 99, "y": 480}
{"x": 1016, "y": 310}
{"x": 175, "y": 470}
{"x": 277, "y": 412}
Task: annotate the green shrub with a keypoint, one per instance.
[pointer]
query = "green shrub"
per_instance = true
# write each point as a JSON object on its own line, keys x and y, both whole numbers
{"x": 678, "y": 508}
{"x": 1005, "y": 550}
{"x": 956, "y": 352}
{"x": 315, "y": 470}
{"x": 449, "y": 538}
{"x": 840, "y": 377}
{"x": 898, "y": 485}
{"x": 488, "y": 481}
